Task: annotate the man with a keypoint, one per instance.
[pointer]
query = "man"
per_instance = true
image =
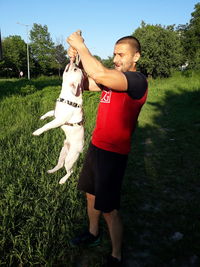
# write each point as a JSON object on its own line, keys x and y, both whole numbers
{"x": 124, "y": 91}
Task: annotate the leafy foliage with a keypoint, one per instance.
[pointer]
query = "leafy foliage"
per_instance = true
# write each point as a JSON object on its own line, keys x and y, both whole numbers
{"x": 42, "y": 47}
{"x": 14, "y": 55}
{"x": 191, "y": 39}
{"x": 161, "y": 49}
{"x": 108, "y": 62}
{"x": 60, "y": 57}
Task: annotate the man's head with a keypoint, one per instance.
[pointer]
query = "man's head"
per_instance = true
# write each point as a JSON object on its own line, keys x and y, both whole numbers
{"x": 126, "y": 53}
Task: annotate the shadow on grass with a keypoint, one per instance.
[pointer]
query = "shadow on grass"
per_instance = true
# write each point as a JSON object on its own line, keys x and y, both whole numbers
{"x": 13, "y": 86}
{"x": 161, "y": 192}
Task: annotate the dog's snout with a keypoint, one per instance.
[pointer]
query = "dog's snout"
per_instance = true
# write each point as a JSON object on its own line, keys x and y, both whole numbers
{"x": 75, "y": 69}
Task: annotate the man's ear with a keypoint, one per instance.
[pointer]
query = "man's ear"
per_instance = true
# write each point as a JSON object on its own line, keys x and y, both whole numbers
{"x": 136, "y": 57}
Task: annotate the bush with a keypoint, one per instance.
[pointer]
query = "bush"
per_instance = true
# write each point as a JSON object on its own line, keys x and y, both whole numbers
{"x": 28, "y": 89}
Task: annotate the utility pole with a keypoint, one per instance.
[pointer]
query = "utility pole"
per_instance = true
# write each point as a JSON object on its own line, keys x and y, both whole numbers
{"x": 28, "y": 67}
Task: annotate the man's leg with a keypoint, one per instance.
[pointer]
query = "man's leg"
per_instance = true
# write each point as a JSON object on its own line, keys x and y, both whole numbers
{"x": 93, "y": 215}
{"x": 115, "y": 227}
{"x": 91, "y": 237}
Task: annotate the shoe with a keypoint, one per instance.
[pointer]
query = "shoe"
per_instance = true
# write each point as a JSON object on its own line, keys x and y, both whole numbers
{"x": 86, "y": 239}
{"x": 112, "y": 262}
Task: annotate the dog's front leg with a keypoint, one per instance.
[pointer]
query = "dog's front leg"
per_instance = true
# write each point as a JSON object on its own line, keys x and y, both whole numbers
{"x": 52, "y": 124}
{"x": 48, "y": 114}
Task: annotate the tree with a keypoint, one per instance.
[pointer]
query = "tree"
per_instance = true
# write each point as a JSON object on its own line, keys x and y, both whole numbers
{"x": 42, "y": 47}
{"x": 14, "y": 56}
{"x": 191, "y": 38}
{"x": 60, "y": 58}
{"x": 97, "y": 57}
{"x": 108, "y": 62}
{"x": 1, "y": 54}
{"x": 161, "y": 49}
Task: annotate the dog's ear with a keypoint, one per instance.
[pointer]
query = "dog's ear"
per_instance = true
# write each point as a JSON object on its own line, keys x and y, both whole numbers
{"x": 78, "y": 90}
{"x": 67, "y": 68}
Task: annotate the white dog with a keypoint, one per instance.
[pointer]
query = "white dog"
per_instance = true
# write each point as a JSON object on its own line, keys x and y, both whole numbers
{"x": 69, "y": 115}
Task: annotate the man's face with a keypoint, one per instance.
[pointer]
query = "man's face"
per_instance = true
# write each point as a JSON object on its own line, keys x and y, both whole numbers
{"x": 124, "y": 57}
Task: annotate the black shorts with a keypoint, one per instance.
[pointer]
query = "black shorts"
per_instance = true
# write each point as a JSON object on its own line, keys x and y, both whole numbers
{"x": 102, "y": 176}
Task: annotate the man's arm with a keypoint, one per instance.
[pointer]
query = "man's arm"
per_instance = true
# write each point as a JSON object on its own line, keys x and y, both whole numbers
{"x": 90, "y": 84}
{"x": 101, "y": 75}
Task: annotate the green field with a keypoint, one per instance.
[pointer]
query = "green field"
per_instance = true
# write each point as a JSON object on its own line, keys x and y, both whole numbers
{"x": 161, "y": 191}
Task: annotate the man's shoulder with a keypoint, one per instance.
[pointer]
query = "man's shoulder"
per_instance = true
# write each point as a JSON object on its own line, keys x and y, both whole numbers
{"x": 135, "y": 74}
{"x": 137, "y": 84}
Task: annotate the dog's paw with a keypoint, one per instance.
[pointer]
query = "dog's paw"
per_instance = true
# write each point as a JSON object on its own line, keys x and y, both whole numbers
{"x": 51, "y": 171}
{"x": 42, "y": 117}
{"x": 37, "y": 132}
{"x": 63, "y": 180}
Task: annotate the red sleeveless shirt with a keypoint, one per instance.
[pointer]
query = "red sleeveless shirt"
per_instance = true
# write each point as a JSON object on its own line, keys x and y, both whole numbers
{"x": 116, "y": 120}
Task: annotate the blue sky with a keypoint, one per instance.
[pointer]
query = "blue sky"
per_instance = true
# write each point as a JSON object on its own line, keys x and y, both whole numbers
{"x": 102, "y": 22}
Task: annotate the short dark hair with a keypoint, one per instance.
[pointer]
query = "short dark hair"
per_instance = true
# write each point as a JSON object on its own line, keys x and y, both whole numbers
{"x": 132, "y": 41}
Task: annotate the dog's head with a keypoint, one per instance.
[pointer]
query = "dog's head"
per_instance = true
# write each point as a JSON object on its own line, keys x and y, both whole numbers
{"x": 73, "y": 76}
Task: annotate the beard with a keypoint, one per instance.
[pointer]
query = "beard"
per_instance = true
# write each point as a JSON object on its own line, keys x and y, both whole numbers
{"x": 123, "y": 67}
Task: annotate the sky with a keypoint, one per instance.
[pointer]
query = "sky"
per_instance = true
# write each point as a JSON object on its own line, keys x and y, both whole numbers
{"x": 102, "y": 22}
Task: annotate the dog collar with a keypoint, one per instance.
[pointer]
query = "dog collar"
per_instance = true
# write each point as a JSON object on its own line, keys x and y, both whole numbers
{"x": 74, "y": 124}
{"x": 75, "y": 105}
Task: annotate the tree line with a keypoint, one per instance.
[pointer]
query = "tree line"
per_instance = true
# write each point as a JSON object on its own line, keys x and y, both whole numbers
{"x": 45, "y": 57}
{"x": 164, "y": 48}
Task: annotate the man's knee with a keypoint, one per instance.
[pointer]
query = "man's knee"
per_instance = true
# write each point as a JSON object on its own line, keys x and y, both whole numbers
{"x": 90, "y": 197}
{"x": 111, "y": 215}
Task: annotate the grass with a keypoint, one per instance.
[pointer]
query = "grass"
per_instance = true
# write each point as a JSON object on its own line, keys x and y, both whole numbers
{"x": 161, "y": 190}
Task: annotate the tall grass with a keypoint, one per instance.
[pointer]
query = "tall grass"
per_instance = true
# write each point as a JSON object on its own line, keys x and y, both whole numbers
{"x": 160, "y": 193}
{"x": 37, "y": 215}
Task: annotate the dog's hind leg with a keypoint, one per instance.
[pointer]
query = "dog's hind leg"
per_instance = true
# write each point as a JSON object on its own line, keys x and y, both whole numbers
{"x": 61, "y": 160}
{"x": 64, "y": 179}
{"x": 71, "y": 158}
